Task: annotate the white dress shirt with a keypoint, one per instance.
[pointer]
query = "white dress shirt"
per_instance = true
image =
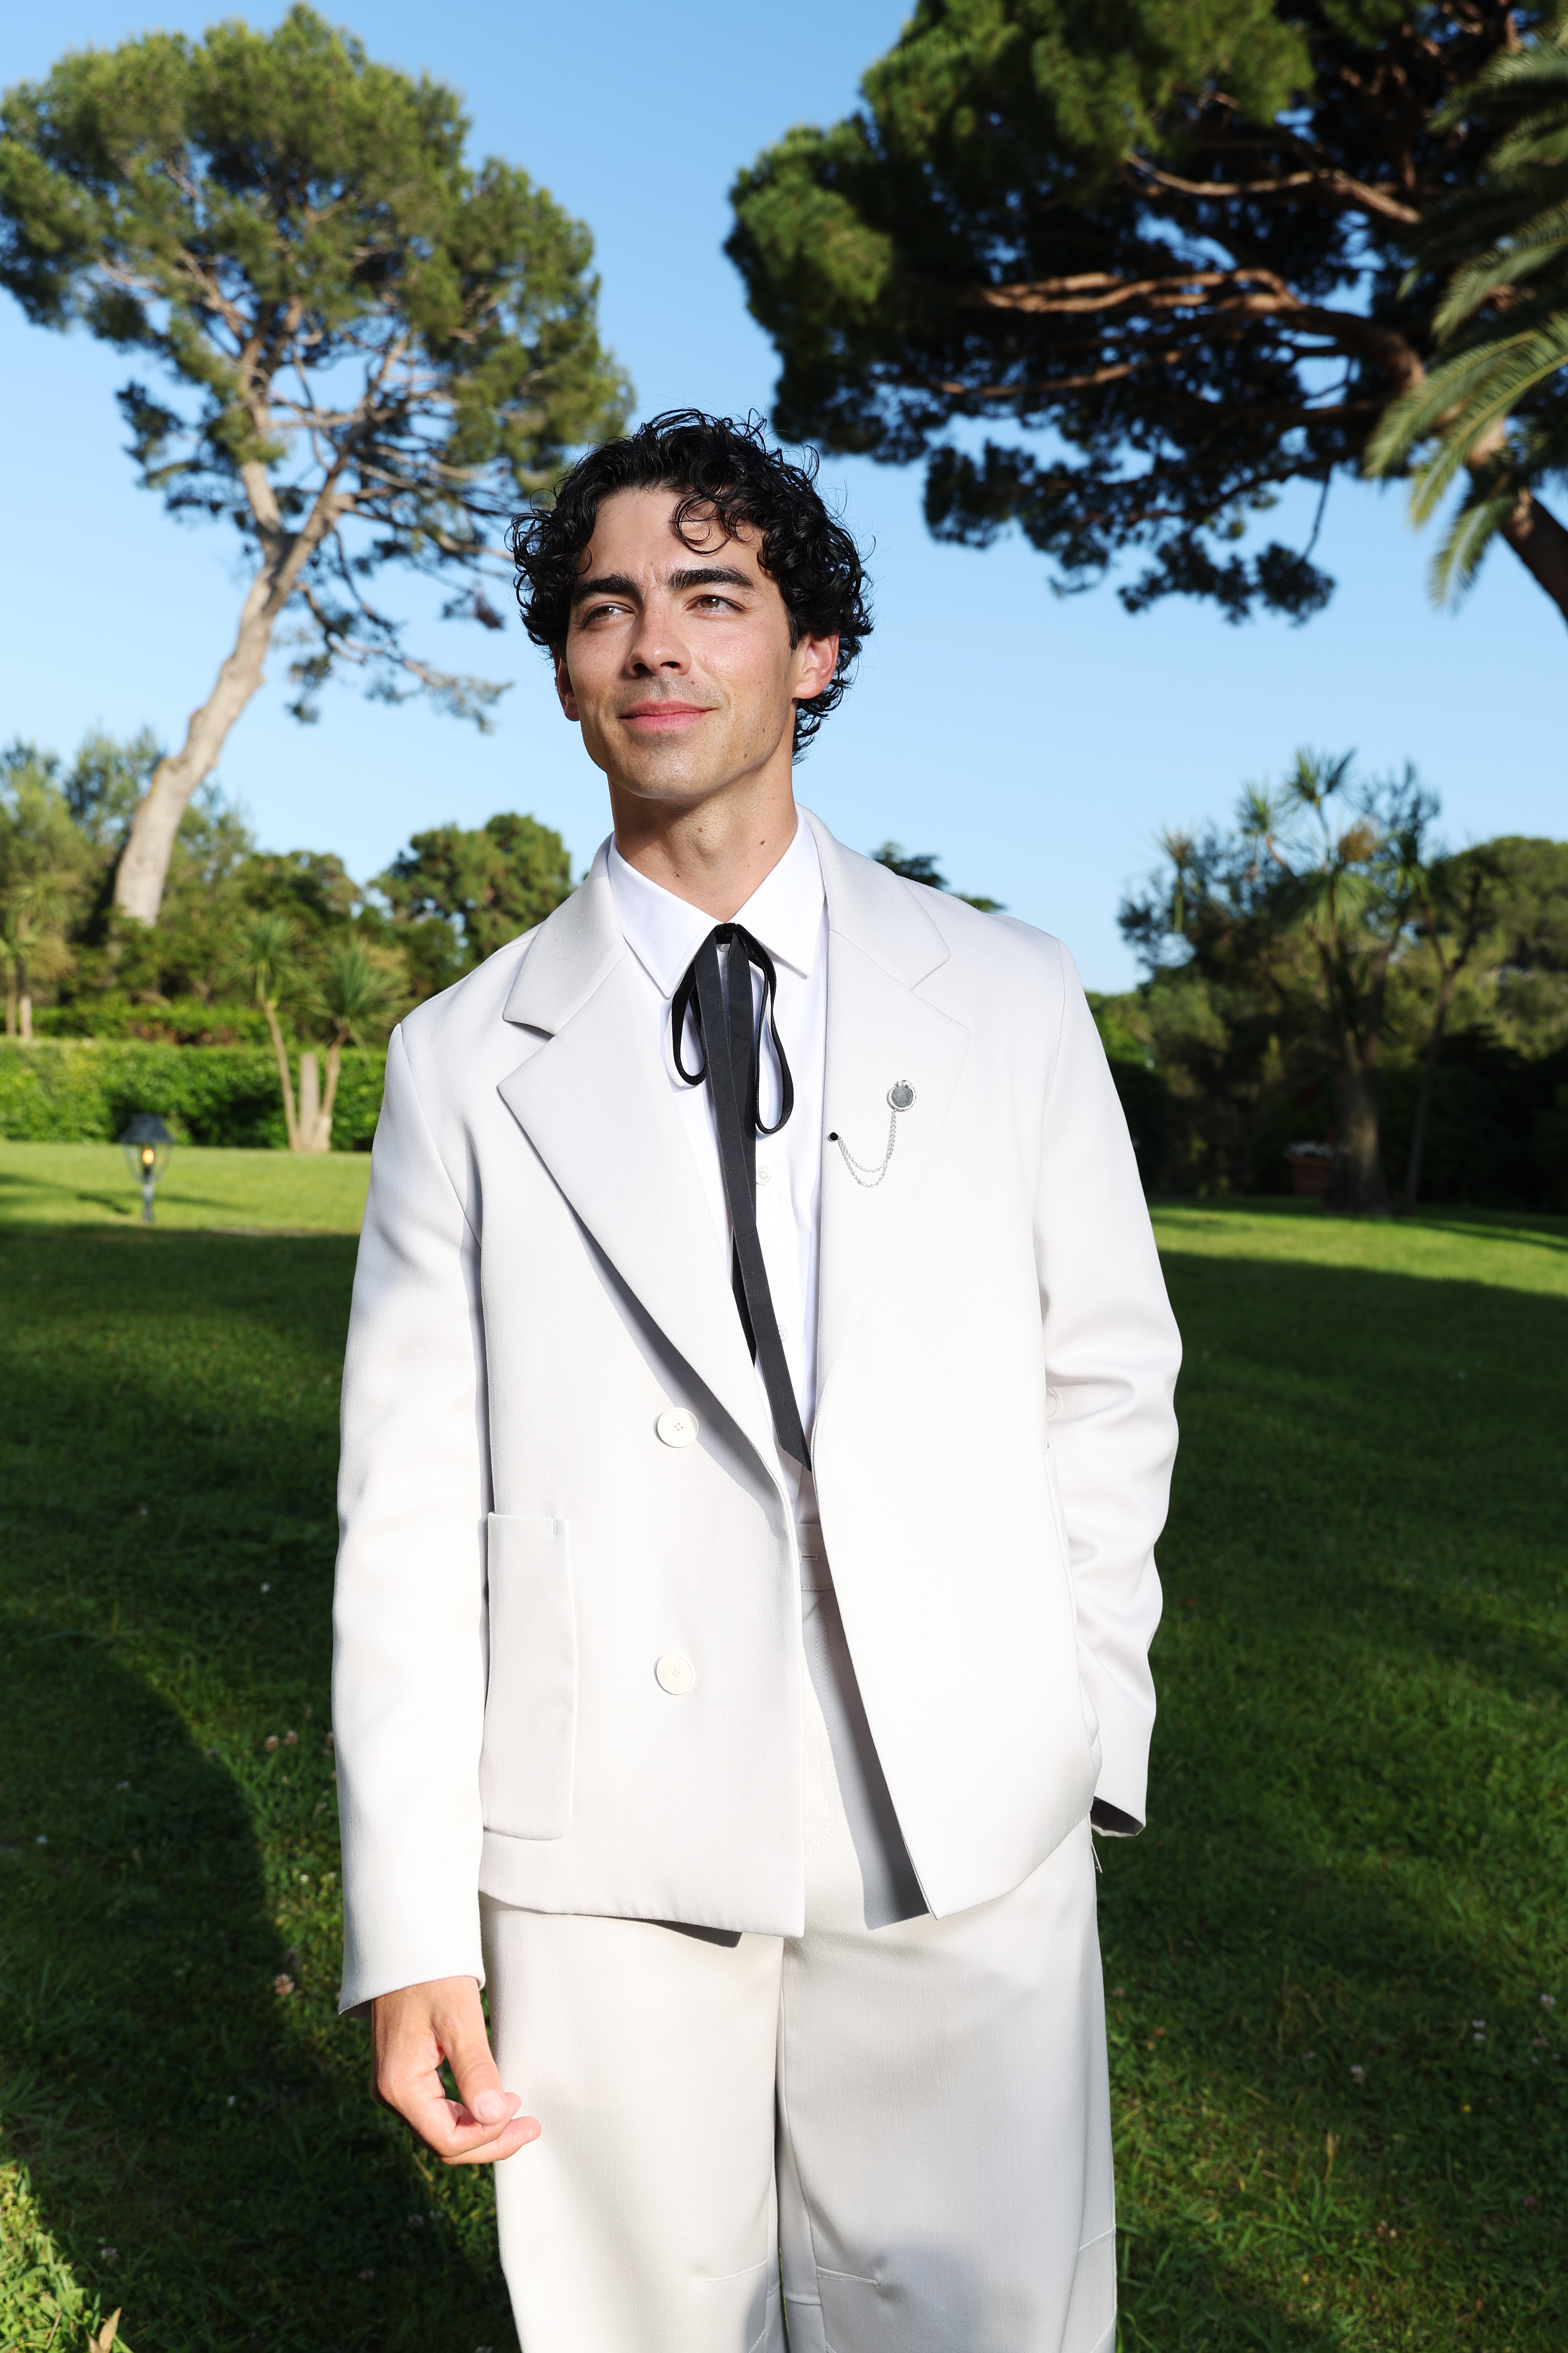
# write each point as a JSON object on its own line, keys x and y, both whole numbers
{"x": 788, "y": 913}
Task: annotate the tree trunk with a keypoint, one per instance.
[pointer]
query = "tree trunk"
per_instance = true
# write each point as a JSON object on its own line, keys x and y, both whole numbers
{"x": 25, "y": 1015}
{"x": 1424, "y": 1093}
{"x": 144, "y": 862}
{"x": 285, "y": 1080}
{"x": 316, "y": 1107}
{"x": 10, "y": 1008}
{"x": 334, "y": 1071}
{"x": 1358, "y": 1186}
{"x": 1532, "y": 530}
{"x": 1541, "y": 544}
{"x": 315, "y": 1119}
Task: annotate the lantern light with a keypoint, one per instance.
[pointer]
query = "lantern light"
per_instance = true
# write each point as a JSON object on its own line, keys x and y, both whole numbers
{"x": 147, "y": 1145}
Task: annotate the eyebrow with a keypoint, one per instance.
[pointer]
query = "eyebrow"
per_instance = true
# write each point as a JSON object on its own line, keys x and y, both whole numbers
{"x": 697, "y": 575}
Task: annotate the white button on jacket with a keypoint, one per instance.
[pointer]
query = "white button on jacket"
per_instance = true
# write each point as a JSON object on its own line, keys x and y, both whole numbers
{"x": 991, "y": 1445}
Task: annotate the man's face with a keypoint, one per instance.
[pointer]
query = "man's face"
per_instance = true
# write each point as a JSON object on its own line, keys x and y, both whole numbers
{"x": 678, "y": 663}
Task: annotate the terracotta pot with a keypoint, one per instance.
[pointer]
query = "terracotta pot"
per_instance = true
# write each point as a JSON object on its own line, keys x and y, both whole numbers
{"x": 1310, "y": 1172}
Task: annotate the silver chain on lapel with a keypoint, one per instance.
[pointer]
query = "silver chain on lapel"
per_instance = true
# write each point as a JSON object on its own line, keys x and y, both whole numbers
{"x": 899, "y": 1098}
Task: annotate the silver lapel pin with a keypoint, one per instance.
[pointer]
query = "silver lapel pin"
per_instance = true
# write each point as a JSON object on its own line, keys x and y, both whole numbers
{"x": 900, "y": 1096}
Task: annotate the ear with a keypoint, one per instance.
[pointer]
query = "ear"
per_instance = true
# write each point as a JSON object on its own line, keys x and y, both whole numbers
{"x": 563, "y": 684}
{"x": 816, "y": 660}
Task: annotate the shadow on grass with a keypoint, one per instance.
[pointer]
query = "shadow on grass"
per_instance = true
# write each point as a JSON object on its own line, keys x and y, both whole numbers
{"x": 1356, "y": 1849}
{"x": 201, "y": 2141}
{"x": 17, "y": 1193}
{"x": 1285, "y": 1208}
{"x": 1494, "y": 1225}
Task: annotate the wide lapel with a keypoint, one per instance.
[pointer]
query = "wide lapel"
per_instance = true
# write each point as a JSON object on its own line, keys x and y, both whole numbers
{"x": 597, "y": 1106}
{"x": 881, "y": 944}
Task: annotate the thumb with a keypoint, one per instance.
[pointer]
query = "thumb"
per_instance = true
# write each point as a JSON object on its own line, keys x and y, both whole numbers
{"x": 467, "y": 2051}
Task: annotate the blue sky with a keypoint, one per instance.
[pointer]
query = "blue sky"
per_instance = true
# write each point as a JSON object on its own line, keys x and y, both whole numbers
{"x": 1035, "y": 743}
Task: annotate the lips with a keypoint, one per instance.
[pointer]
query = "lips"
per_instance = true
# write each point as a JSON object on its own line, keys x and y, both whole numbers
{"x": 661, "y": 718}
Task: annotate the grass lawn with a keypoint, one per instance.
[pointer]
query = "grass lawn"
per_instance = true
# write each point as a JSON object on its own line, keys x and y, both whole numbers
{"x": 1355, "y": 1857}
{"x": 216, "y": 1191}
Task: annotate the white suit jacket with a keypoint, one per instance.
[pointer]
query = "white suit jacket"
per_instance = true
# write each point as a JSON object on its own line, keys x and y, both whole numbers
{"x": 538, "y": 1285}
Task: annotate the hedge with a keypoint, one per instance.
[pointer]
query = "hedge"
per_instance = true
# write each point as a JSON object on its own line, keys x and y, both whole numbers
{"x": 82, "y": 1090}
{"x": 1497, "y": 1138}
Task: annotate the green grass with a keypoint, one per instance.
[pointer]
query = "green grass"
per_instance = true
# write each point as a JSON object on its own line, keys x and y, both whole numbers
{"x": 1357, "y": 1840}
{"x": 204, "y": 1189}
{"x": 1356, "y": 1843}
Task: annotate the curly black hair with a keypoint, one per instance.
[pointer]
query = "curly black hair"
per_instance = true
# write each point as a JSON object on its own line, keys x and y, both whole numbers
{"x": 730, "y": 476}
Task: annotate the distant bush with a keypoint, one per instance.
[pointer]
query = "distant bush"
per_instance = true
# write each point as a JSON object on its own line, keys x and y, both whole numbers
{"x": 1206, "y": 1119}
{"x": 60, "y": 1091}
{"x": 171, "y": 1021}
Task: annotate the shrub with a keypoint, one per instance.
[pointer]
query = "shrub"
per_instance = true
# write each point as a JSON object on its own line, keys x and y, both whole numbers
{"x": 69, "y": 1091}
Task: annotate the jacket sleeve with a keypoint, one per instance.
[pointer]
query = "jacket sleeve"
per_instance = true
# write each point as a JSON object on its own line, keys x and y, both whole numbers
{"x": 408, "y": 1670}
{"x": 1113, "y": 1353}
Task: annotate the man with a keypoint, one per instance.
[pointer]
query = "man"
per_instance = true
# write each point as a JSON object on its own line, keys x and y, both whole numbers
{"x": 756, "y": 1426}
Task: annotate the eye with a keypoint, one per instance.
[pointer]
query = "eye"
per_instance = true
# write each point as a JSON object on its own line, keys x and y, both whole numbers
{"x": 592, "y": 613}
{"x": 716, "y": 603}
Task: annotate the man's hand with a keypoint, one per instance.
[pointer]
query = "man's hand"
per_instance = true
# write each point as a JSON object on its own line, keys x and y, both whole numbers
{"x": 416, "y": 2029}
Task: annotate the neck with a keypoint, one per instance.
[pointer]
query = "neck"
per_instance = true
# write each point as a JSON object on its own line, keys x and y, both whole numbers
{"x": 715, "y": 853}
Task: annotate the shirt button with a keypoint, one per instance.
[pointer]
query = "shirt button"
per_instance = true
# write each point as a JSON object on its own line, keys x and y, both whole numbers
{"x": 764, "y": 1176}
{"x": 674, "y": 1674}
{"x": 677, "y": 1427}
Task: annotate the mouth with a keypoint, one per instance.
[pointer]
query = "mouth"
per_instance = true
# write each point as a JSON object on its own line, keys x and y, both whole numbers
{"x": 661, "y": 718}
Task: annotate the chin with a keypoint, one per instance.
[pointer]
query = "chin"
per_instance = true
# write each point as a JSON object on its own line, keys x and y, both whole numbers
{"x": 670, "y": 779}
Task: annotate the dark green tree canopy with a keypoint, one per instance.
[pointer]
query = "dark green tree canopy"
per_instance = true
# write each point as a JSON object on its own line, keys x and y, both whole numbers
{"x": 1161, "y": 248}
{"x": 1304, "y": 903}
{"x": 488, "y": 885}
{"x": 920, "y": 866}
{"x": 369, "y": 351}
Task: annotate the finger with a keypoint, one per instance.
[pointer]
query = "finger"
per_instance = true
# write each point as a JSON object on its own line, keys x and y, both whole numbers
{"x": 447, "y": 2127}
{"x": 513, "y": 2136}
{"x": 414, "y": 2029}
{"x": 460, "y": 2029}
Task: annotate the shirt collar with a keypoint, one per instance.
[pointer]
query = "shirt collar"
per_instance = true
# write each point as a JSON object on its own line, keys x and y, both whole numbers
{"x": 664, "y": 932}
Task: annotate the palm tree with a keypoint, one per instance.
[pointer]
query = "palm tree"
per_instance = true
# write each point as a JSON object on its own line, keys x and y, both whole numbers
{"x": 264, "y": 955}
{"x": 35, "y": 910}
{"x": 43, "y": 880}
{"x": 356, "y": 994}
{"x": 1353, "y": 888}
{"x": 1306, "y": 900}
{"x": 32, "y": 952}
{"x": 1497, "y": 406}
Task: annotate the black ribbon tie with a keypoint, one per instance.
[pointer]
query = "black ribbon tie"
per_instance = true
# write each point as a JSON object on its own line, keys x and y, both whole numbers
{"x": 731, "y": 1040}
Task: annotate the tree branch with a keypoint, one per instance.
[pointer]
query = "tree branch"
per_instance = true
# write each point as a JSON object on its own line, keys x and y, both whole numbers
{"x": 1247, "y": 293}
{"x": 1099, "y": 290}
{"x": 1335, "y": 186}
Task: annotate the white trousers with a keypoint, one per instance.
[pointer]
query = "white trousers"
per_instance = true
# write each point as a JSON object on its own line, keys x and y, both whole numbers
{"x": 915, "y": 2118}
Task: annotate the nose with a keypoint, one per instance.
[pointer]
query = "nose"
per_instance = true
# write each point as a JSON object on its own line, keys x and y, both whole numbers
{"x": 657, "y": 646}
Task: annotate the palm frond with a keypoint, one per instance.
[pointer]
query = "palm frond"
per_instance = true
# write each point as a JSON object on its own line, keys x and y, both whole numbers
{"x": 1534, "y": 247}
{"x": 1487, "y": 400}
{"x": 1257, "y": 812}
{"x": 1472, "y": 532}
{"x": 1519, "y": 78}
{"x": 1420, "y": 412}
{"x": 1467, "y": 405}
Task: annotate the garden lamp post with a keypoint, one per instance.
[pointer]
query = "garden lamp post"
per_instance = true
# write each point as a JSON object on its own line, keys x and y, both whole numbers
{"x": 147, "y": 1145}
